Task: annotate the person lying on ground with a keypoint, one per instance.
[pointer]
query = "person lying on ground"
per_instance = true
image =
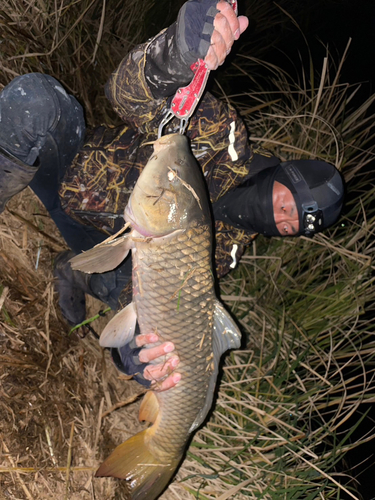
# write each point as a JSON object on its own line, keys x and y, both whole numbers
{"x": 84, "y": 177}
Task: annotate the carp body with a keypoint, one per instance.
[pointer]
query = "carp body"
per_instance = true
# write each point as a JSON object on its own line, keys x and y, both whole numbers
{"x": 174, "y": 297}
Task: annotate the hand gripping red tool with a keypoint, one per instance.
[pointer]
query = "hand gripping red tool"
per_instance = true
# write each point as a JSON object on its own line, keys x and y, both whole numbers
{"x": 186, "y": 98}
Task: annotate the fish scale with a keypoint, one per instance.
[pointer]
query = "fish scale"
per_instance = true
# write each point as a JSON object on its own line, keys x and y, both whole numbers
{"x": 182, "y": 309}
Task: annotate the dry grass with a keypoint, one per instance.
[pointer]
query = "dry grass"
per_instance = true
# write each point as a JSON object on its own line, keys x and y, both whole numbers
{"x": 55, "y": 388}
{"x": 79, "y": 43}
{"x": 288, "y": 402}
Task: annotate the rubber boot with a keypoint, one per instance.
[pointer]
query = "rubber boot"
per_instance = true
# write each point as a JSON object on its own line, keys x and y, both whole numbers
{"x": 73, "y": 285}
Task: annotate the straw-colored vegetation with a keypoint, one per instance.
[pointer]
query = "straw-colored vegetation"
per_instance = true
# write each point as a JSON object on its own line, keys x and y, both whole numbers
{"x": 288, "y": 402}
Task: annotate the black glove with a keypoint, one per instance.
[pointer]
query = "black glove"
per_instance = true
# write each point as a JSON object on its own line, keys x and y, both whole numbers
{"x": 126, "y": 359}
{"x": 170, "y": 54}
{"x": 195, "y": 24}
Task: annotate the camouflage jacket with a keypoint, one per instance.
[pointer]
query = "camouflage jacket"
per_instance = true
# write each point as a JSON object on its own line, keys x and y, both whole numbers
{"x": 97, "y": 186}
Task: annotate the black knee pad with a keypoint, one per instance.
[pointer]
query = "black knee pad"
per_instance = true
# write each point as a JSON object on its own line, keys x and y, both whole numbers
{"x": 35, "y": 108}
{"x": 41, "y": 122}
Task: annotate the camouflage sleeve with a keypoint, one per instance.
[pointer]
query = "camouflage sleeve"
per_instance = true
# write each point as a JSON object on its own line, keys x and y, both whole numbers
{"x": 130, "y": 96}
{"x": 219, "y": 138}
{"x": 219, "y": 141}
{"x": 230, "y": 246}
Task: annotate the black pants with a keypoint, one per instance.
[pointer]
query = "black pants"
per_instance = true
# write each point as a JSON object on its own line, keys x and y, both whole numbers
{"x": 41, "y": 124}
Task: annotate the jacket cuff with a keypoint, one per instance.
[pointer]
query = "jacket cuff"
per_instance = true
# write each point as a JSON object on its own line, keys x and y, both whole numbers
{"x": 165, "y": 70}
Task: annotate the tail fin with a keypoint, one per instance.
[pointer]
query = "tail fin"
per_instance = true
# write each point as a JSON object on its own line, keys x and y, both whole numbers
{"x": 146, "y": 476}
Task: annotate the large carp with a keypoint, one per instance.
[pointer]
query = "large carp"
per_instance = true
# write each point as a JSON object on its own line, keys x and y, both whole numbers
{"x": 173, "y": 296}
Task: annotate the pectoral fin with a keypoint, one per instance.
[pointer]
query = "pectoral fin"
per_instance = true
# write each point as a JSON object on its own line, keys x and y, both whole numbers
{"x": 226, "y": 335}
{"x": 120, "y": 329}
{"x": 103, "y": 257}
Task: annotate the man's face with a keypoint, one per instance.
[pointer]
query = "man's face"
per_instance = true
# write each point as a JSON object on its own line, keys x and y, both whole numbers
{"x": 284, "y": 210}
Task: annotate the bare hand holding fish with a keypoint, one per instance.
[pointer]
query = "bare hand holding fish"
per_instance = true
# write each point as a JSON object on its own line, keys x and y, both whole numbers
{"x": 161, "y": 374}
{"x": 174, "y": 298}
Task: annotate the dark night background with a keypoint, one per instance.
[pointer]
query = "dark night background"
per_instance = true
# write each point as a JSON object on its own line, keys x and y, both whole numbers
{"x": 333, "y": 26}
